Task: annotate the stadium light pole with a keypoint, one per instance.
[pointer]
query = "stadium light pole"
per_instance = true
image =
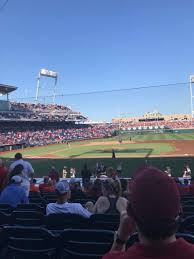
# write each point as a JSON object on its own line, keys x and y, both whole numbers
{"x": 191, "y": 81}
{"x": 37, "y": 87}
{"x": 46, "y": 73}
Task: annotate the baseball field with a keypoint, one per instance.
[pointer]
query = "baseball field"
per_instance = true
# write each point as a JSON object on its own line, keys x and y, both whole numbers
{"x": 173, "y": 149}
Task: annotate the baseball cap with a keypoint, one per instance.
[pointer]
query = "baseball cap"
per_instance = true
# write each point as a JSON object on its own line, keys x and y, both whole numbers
{"x": 62, "y": 187}
{"x": 154, "y": 196}
{"x": 16, "y": 179}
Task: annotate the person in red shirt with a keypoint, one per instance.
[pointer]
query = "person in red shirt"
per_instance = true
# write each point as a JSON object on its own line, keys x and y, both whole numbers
{"x": 154, "y": 213}
{"x": 45, "y": 183}
{"x": 34, "y": 187}
{"x": 53, "y": 174}
{"x": 3, "y": 175}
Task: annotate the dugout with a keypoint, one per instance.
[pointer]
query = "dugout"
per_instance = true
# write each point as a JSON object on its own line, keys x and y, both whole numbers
{"x": 5, "y": 90}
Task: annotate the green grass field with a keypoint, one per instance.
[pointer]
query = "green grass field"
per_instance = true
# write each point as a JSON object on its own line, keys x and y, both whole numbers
{"x": 92, "y": 151}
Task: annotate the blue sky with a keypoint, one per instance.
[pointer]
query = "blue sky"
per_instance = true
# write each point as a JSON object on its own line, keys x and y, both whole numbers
{"x": 101, "y": 45}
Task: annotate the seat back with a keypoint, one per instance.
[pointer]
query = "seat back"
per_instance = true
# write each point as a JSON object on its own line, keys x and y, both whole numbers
{"x": 187, "y": 225}
{"x": 31, "y": 242}
{"x": 38, "y": 200}
{"x": 65, "y": 220}
{"x": 6, "y": 208}
{"x": 5, "y": 219}
{"x": 27, "y": 218}
{"x": 30, "y": 207}
{"x": 86, "y": 243}
{"x": 188, "y": 210}
{"x": 105, "y": 221}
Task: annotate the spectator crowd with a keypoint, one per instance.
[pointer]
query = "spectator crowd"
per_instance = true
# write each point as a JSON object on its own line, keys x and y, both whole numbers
{"x": 40, "y": 112}
{"x": 147, "y": 213}
{"x": 34, "y": 137}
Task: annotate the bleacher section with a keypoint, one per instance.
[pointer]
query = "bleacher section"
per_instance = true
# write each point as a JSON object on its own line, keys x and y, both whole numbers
{"x": 26, "y": 231}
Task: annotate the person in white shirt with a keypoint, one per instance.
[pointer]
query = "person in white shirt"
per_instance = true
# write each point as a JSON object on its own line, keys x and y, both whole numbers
{"x": 64, "y": 171}
{"x": 27, "y": 172}
{"x": 62, "y": 206}
{"x": 187, "y": 172}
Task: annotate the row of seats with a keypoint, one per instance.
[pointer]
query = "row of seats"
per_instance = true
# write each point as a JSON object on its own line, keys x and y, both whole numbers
{"x": 22, "y": 242}
{"x": 31, "y": 215}
{"x": 27, "y": 215}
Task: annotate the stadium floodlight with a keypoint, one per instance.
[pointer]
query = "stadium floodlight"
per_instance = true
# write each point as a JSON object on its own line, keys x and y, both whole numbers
{"x": 191, "y": 82}
{"x": 46, "y": 73}
{"x": 192, "y": 78}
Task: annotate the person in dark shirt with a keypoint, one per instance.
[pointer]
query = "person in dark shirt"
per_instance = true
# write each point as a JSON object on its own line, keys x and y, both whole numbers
{"x": 54, "y": 174}
{"x": 76, "y": 191}
{"x": 86, "y": 174}
{"x": 113, "y": 154}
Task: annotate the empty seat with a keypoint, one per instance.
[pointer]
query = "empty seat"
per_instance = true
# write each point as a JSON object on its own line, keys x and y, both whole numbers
{"x": 30, "y": 242}
{"x": 27, "y": 218}
{"x": 5, "y": 219}
{"x": 85, "y": 243}
{"x": 187, "y": 225}
{"x": 65, "y": 220}
{"x": 30, "y": 207}
{"x": 38, "y": 200}
{"x": 6, "y": 208}
{"x": 105, "y": 221}
{"x": 188, "y": 210}
{"x": 34, "y": 194}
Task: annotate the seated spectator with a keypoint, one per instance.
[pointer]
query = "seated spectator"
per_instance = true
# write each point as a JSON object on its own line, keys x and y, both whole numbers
{"x": 14, "y": 194}
{"x": 187, "y": 172}
{"x": 3, "y": 175}
{"x": 47, "y": 185}
{"x": 76, "y": 190}
{"x": 154, "y": 209}
{"x": 62, "y": 206}
{"x": 111, "y": 202}
{"x": 44, "y": 184}
{"x": 64, "y": 172}
{"x": 124, "y": 188}
{"x": 111, "y": 173}
{"x": 95, "y": 190}
{"x": 34, "y": 187}
{"x": 54, "y": 174}
{"x": 86, "y": 174}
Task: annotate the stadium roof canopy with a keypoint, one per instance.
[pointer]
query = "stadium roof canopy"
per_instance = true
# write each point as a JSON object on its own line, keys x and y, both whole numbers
{"x": 6, "y": 89}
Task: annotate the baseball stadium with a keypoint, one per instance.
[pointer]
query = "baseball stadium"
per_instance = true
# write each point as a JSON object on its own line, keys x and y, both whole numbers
{"x": 96, "y": 129}
{"x": 55, "y": 135}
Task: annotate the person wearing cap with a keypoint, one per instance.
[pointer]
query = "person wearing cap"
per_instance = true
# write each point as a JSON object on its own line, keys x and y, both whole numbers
{"x": 27, "y": 171}
{"x": 62, "y": 206}
{"x": 76, "y": 190}
{"x": 154, "y": 212}
{"x": 14, "y": 194}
